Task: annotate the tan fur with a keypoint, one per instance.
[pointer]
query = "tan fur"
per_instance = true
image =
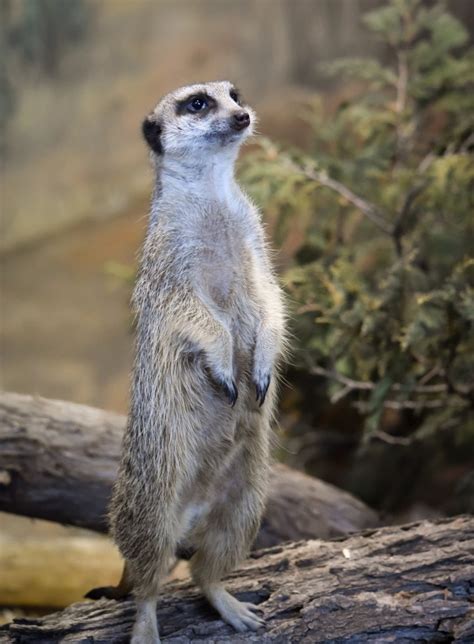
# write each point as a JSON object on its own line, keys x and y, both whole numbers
{"x": 209, "y": 319}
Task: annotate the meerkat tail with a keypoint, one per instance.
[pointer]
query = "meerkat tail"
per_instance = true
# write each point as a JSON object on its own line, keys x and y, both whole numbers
{"x": 122, "y": 590}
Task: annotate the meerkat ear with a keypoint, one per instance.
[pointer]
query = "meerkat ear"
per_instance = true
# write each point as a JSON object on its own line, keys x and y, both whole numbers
{"x": 151, "y": 129}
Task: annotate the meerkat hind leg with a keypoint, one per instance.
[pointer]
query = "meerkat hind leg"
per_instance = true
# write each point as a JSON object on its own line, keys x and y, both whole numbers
{"x": 238, "y": 614}
{"x": 216, "y": 556}
{"x": 145, "y": 628}
{"x": 224, "y": 539}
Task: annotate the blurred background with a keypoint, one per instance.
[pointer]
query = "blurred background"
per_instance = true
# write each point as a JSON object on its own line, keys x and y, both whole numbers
{"x": 378, "y": 398}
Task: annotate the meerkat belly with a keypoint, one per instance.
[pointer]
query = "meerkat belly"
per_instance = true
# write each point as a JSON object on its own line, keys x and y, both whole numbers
{"x": 212, "y": 486}
{"x": 217, "y": 278}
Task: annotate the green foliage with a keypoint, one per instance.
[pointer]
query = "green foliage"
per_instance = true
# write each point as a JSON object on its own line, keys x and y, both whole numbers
{"x": 378, "y": 219}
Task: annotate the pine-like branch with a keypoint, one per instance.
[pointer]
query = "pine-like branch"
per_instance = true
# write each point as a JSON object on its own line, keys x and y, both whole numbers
{"x": 368, "y": 209}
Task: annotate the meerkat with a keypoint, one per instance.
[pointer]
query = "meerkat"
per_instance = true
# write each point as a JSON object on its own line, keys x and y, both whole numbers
{"x": 209, "y": 338}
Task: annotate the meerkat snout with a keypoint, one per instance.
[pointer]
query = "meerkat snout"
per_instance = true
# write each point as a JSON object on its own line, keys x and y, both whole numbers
{"x": 240, "y": 120}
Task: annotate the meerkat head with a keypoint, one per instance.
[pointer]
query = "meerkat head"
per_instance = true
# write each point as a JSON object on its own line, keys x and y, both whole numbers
{"x": 206, "y": 117}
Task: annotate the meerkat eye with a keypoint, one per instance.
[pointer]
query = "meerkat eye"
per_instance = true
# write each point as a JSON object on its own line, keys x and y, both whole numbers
{"x": 197, "y": 104}
{"x": 235, "y": 96}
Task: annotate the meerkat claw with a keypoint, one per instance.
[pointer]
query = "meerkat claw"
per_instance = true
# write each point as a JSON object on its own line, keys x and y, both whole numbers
{"x": 230, "y": 391}
{"x": 261, "y": 389}
{"x": 253, "y": 607}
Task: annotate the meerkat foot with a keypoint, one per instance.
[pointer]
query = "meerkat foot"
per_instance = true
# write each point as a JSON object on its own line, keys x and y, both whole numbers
{"x": 240, "y": 615}
{"x": 145, "y": 629}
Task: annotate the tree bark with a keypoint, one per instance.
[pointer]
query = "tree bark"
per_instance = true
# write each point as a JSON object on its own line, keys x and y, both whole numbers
{"x": 58, "y": 461}
{"x": 399, "y": 584}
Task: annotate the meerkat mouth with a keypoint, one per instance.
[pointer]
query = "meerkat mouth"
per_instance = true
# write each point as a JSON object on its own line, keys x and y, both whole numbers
{"x": 227, "y": 136}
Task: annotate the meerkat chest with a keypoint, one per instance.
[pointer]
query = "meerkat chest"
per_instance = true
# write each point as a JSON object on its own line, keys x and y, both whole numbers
{"x": 217, "y": 276}
{"x": 221, "y": 260}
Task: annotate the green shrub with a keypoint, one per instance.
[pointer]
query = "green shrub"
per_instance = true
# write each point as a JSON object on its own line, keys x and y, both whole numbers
{"x": 381, "y": 220}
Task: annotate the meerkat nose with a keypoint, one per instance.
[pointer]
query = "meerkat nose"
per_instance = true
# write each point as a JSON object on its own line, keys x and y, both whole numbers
{"x": 240, "y": 120}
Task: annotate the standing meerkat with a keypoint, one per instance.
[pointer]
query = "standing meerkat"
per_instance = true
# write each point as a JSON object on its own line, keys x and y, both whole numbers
{"x": 209, "y": 336}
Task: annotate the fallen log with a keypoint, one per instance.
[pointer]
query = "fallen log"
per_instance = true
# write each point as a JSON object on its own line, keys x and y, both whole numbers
{"x": 54, "y": 570}
{"x": 58, "y": 461}
{"x": 398, "y": 584}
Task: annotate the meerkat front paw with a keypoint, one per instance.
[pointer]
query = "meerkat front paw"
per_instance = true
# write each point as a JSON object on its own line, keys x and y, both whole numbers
{"x": 219, "y": 361}
{"x": 261, "y": 382}
{"x": 229, "y": 388}
{"x": 263, "y": 362}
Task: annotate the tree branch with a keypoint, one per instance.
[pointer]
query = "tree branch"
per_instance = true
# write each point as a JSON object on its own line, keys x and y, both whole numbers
{"x": 58, "y": 462}
{"x": 321, "y": 177}
{"x": 397, "y": 584}
{"x": 366, "y": 385}
{"x": 402, "y": 81}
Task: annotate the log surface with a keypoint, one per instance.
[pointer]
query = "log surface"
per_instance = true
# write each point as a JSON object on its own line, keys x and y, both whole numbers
{"x": 58, "y": 461}
{"x": 400, "y": 584}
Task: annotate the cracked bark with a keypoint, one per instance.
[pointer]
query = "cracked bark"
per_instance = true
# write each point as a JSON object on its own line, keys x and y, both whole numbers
{"x": 58, "y": 461}
{"x": 411, "y": 583}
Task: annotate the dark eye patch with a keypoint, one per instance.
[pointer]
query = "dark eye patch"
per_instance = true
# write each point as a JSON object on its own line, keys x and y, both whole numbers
{"x": 235, "y": 96}
{"x": 152, "y": 132}
{"x": 198, "y": 104}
